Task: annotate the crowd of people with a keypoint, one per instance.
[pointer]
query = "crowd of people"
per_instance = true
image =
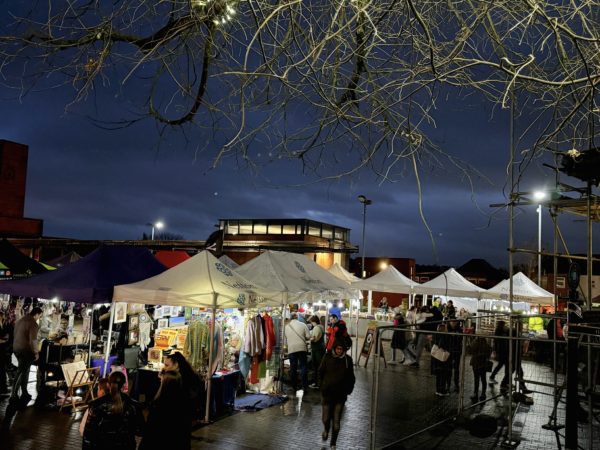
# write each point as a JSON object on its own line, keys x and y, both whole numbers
{"x": 333, "y": 368}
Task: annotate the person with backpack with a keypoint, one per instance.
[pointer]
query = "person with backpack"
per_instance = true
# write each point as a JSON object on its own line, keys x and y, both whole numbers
{"x": 337, "y": 329}
{"x": 337, "y": 382}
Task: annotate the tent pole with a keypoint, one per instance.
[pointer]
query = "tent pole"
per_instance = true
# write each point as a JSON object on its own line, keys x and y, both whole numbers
{"x": 282, "y": 343}
{"x": 108, "y": 341}
{"x": 89, "y": 361}
{"x": 210, "y": 360}
{"x": 370, "y": 302}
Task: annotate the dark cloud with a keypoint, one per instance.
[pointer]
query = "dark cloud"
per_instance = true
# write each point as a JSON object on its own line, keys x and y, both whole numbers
{"x": 86, "y": 182}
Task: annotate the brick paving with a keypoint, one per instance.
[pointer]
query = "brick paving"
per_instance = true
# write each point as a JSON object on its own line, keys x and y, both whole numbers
{"x": 406, "y": 404}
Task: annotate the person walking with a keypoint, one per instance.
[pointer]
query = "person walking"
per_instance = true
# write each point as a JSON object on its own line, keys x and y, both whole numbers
{"x": 113, "y": 420}
{"x": 501, "y": 352}
{"x": 317, "y": 348}
{"x": 441, "y": 369}
{"x": 25, "y": 348}
{"x": 337, "y": 383}
{"x": 297, "y": 336}
{"x": 480, "y": 359}
{"x": 169, "y": 425}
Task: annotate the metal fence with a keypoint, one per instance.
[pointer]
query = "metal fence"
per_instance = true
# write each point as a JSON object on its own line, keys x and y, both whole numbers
{"x": 549, "y": 378}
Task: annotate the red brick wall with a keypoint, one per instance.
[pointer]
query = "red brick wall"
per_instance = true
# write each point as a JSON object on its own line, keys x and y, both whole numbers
{"x": 13, "y": 178}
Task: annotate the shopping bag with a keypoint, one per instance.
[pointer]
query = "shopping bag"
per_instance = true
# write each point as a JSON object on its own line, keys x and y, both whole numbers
{"x": 439, "y": 353}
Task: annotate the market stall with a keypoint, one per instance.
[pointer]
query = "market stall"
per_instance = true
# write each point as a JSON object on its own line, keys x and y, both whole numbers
{"x": 89, "y": 280}
{"x": 297, "y": 278}
{"x": 205, "y": 281}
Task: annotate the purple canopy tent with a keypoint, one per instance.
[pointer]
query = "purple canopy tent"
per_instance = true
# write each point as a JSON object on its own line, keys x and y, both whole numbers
{"x": 91, "y": 279}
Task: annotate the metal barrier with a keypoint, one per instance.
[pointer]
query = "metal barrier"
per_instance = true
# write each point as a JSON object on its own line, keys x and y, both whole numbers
{"x": 405, "y": 411}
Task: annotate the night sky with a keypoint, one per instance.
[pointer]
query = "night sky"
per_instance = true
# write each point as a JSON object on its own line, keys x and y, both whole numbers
{"x": 89, "y": 183}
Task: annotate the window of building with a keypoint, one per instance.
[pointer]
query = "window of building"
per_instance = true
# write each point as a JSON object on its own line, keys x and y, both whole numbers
{"x": 314, "y": 230}
{"x": 289, "y": 229}
{"x": 560, "y": 282}
{"x": 232, "y": 227}
{"x": 327, "y": 232}
{"x": 260, "y": 228}
{"x": 245, "y": 227}
{"x": 422, "y": 279}
{"x": 274, "y": 228}
{"x": 340, "y": 235}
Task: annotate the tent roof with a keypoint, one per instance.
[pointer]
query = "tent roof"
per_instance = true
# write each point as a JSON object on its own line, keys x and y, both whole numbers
{"x": 291, "y": 273}
{"x": 342, "y": 273}
{"x": 228, "y": 262}
{"x": 91, "y": 279}
{"x": 170, "y": 258}
{"x": 388, "y": 280}
{"x": 64, "y": 260}
{"x": 524, "y": 289}
{"x": 19, "y": 264}
{"x": 196, "y": 282}
{"x": 452, "y": 284}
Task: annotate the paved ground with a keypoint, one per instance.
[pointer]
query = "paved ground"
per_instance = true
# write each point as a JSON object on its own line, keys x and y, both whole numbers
{"x": 406, "y": 404}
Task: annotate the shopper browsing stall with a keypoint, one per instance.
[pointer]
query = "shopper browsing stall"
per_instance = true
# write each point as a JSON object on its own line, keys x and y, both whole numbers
{"x": 169, "y": 425}
{"x": 113, "y": 420}
{"x": 297, "y": 336}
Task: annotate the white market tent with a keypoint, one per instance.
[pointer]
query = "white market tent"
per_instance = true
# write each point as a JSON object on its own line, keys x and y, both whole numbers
{"x": 524, "y": 290}
{"x": 450, "y": 284}
{"x": 200, "y": 280}
{"x": 342, "y": 273}
{"x": 294, "y": 275}
{"x": 228, "y": 262}
{"x": 453, "y": 285}
{"x": 388, "y": 280}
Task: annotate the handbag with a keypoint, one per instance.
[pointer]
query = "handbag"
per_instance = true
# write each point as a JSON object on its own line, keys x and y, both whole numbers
{"x": 439, "y": 353}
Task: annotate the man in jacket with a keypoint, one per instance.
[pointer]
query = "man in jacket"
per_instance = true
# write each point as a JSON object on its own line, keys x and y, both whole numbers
{"x": 297, "y": 336}
{"x": 337, "y": 382}
{"x": 456, "y": 339}
{"x": 25, "y": 348}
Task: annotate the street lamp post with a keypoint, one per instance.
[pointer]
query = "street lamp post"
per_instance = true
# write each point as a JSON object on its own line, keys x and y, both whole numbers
{"x": 365, "y": 201}
{"x": 539, "y": 196}
{"x": 158, "y": 225}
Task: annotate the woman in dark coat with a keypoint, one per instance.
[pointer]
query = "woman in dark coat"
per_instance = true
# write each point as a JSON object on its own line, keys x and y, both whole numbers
{"x": 337, "y": 382}
{"x": 480, "y": 358}
{"x": 169, "y": 424}
{"x": 113, "y": 420}
{"x": 441, "y": 369}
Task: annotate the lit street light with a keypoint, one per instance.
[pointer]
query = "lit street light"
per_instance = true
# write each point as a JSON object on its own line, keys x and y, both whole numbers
{"x": 365, "y": 201}
{"x": 158, "y": 225}
{"x": 539, "y": 196}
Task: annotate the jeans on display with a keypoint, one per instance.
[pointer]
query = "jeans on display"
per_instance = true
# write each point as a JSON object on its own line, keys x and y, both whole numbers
{"x": 298, "y": 358}
{"x": 332, "y": 418}
{"x": 22, "y": 376}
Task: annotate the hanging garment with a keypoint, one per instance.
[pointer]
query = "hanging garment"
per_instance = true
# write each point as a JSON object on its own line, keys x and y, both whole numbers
{"x": 244, "y": 363}
{"x": 254, "y": 342}
{"x": 144, "y": 334}
{"x": 270, "y": 338}
{"x": 217, "y": 354}
{"x": 196, "y": 345}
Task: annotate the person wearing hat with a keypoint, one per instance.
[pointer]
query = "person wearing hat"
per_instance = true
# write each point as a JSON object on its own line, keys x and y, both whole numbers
{"x": 336, "y": 373}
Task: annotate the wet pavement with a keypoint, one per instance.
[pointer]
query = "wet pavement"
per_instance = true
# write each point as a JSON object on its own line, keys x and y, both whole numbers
{"x": 406, "y": 405}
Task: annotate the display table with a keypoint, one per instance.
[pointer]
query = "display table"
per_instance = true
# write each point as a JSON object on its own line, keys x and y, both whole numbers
{"x": 223, "y": 390}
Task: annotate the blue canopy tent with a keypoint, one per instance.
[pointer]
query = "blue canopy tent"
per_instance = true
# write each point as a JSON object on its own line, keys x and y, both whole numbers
{"x": 91, "y": 279}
